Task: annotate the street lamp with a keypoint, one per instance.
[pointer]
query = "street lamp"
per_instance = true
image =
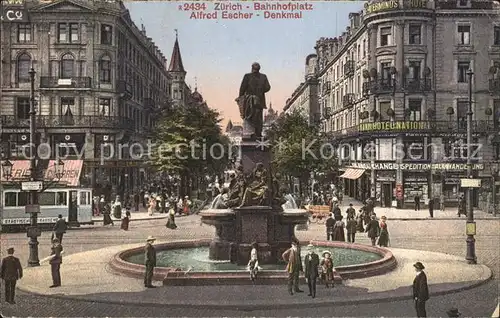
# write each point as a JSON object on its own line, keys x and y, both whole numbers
{"x": 494, "y": 174}
{"x": 470, "y": 226}
{"x": 59, "y": 169}
{"x": 7, "y": 169}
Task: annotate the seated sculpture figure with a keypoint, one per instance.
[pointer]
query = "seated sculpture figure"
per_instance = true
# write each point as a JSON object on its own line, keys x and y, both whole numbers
{"x": 236, "y": 189}
{"x": 257, "y": 190}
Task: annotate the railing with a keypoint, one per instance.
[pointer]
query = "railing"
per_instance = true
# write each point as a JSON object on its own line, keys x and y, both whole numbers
{"x": 379, "y": 86}
{"x": 417, "y": 85}
{"x": 111, "y": 122}
{"x": 349, "y": 68}
{"x": 494, "y": 86}
{"x": 348, "y": 99}
{"x": 73, "y": 82}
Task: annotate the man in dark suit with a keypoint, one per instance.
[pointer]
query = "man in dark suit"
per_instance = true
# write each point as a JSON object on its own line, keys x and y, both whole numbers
{"x": 60, "y": 228}
{"x": 420, "y": 290}
{"x": 294, "y": 266}
{"x": 311, "y": 263}
{"x": 55, "y": 263}
{"x": 150, "y": 262}
{"x": 253, "y": 88}
{"x": 330, "y": 224}
{"x": 10, "y": 273}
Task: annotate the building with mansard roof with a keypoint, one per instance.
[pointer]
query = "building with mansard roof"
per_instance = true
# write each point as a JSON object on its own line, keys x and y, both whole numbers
{"x": 397, "y": 77}
{"x": 100, "y": 82}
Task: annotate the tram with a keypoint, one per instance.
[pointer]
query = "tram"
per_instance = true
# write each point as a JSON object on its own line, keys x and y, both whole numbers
{"x": 74, "y": 204}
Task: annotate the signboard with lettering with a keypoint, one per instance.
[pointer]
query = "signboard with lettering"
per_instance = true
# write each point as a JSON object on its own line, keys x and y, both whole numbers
{"x": 14, "y": 15}
{"x": 416, "y": 166}
{"x": 26, "y": 220}
{"x": 394, "y": 126}
{"x": 380, "y": 6}
{"x": 470, "y": 183}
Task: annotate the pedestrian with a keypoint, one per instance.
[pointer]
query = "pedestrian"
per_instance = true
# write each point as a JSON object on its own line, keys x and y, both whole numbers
{"x": 311, "y": 263}
{"x": 351, "y": 229}
{"x": 441, "y": 202}
{"x": 253, "y": 263}
{"x": 137, "y": 198}
{"x": 60, "y": 227}
{"x": 117, "y": 208}
{"x": 350, "y": 212}
{"x": 327, "y": 269}
{"x": 453, "y": 312}
{"x": 149, "y": 262}
{"x": 11, "y": 271}
{"x": 125, "y": 221}
{"x": 171, "y": 217}
{"x": 330, "y": 224}
{"x": 420, "y": 290}
{"x": 152, "y": 204}
{"x": 338, "y": 230}
{"x": 359, "y": 222}
{"x": 55, "y": 263}
{"x": 431, "y": 207}
{"x": 373, "y": 229}
{"x": 417, "y": 202}
{"x": 462, "y": 206}
{"x": 294, "y": 266}
{"x": 106, "y": 214}
{"x": 337, "y": 213}
{"x": 383, "y": 239}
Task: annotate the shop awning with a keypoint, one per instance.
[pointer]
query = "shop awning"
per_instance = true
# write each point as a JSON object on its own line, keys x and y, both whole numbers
{"x": 352, "y": 174}
{"x": 72, "y": 171}
{"x": 20, "y": 171}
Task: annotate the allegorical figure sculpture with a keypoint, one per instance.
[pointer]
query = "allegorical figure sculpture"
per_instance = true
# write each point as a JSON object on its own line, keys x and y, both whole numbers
{"x": 257, "y": 190}
{"x": 252, "y": 101}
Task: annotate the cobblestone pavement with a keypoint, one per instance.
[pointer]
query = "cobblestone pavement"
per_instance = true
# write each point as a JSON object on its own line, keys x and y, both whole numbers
{"x": 440, "y": 236}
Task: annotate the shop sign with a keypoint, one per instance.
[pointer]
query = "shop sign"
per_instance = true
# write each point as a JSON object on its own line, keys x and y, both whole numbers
{"x": 14, "y": 15}
{"x": 470, "y": 183}
{"x": 416, "y": 166}
{"x": 394, "y": 126}
{"x": 379, "y": 6}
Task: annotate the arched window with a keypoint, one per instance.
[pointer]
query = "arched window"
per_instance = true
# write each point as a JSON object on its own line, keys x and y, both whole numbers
{"x": 23, "y": 68}
{"x": 67, "y": 66}
{"x": 105, "y": 70}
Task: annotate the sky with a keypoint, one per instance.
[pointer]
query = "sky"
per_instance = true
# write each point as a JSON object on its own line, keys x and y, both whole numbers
{"x": 217, "y": 53}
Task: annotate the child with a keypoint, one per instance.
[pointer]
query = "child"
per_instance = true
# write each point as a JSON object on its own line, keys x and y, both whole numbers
{"x": 253, "y": 263}
{"x": 327, "y": 269}
{"x": 125, "y": 221}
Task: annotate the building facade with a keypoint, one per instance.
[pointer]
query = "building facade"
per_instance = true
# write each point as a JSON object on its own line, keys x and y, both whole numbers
{"x": 394, "y": 94}
{"x": 100, "y": 82}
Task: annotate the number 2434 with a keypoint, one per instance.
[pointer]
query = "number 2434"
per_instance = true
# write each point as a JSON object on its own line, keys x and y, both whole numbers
{"x": 194, "y": 6}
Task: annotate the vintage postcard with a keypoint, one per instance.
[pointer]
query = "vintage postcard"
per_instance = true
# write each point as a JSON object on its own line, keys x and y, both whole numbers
{"x": 274, "y": 158}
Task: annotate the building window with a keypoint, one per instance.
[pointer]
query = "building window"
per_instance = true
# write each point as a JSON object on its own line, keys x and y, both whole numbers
{"x": 496, "y": 35}
{"x": 414, "y": 70}
{"x": 23, "y": 68}
{"x": 462, "y": 69}
{"x": 23, "y": 108}
{"x": 384, "y": 107}
{"x": 385, "y": 69}
{"x": 106, "y": 34}
{"x": 496, "y": 114}
{"x": 415, "y": 34}
{"x": 24, "y": 32}
{"x": 364, "y": 48}
{"x": 104, "y": 107}
{"x": 67, "y": 106}
{"x": 67, "y": 32}
{"x": 414, "y": 110}
{"x": 385, "y": 36}
{"x": 105, "y": 70}
{"x": 67, "y": 66}
{"x": 464, "y": 34}
{"x": 462, "y": 107}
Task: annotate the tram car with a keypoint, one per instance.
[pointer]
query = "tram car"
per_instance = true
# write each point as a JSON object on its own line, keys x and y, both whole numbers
{"x": 74, "y": 204}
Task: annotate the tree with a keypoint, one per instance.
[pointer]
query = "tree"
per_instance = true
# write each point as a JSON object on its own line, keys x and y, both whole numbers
{"x": 188, "y": 142}
{"x": 299, "y": 148}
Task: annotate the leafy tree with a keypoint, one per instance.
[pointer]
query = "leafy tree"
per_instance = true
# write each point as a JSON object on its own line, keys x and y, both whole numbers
{"x": 188, "y": 142}
{"x": 299, "y": 148}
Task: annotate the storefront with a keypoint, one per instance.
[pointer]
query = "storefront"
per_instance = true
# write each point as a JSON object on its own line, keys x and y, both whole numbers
{"x": 356, "y": 183}
{"x": 386, "y": 184}
{"x": 415, "y": 183}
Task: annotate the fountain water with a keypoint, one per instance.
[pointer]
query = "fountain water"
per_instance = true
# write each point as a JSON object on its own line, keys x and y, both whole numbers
{"x": 290, "y": 203}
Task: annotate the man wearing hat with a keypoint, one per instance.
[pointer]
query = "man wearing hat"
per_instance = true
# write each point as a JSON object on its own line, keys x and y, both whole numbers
{"x": 351, "y": 212}
{"x": 60, "y": 228}
{"x": 55, "y": 263}
{"x": 420, "y": 290}
{"x": 10, "y": 273}
{"x": 149, "y": 262}
{"x": 311, "y": 262}
{"x": 293, "y": 267}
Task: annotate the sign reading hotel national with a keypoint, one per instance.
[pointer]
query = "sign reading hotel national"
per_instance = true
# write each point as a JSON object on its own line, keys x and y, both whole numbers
{"x": 378, "y": 6}
{"x": 394, "y": 126}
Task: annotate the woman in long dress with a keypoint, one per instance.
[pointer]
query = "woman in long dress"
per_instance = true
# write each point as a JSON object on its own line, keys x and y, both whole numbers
{"x": 106, "y": 214}
{"x": 327, "y": 269}
{"x": 253, "y": 263}
{"x": 171, "y": 217}
{"x": 152, "y": 205}
{"x": 338, "y": 230}
{"x": 383, "y": 239}
{"x": 125, "y": 221}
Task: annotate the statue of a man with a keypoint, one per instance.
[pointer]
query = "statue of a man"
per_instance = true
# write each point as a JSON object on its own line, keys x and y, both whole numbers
{"x": 252, "y": 101}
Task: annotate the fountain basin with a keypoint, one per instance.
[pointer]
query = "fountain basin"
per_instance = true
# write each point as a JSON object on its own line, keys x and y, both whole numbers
{"x": 272, "y": 274}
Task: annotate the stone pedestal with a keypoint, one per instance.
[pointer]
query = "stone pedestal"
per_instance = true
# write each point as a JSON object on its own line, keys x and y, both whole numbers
{"x": 253, "y": 152}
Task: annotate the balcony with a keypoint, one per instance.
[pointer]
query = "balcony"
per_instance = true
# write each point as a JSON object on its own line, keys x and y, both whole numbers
{"x": 349, "y": 68}
{"x": 494, "y": 86}
{"x": 84, "y": 122}
{"x": 124, "y": 89}
{"x": 379, "y": 86}
{"x": 348, "y": 99}
{"x": 74, "y": 82}
{"x": 415, "y": 85}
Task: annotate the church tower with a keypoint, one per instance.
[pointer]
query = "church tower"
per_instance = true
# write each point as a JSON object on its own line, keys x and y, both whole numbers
{"x": 178, "y": 73}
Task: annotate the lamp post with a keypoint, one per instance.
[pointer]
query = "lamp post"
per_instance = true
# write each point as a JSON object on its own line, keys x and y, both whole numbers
{"x": 494, "y": 174}
{"x": 471, "y": 226}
